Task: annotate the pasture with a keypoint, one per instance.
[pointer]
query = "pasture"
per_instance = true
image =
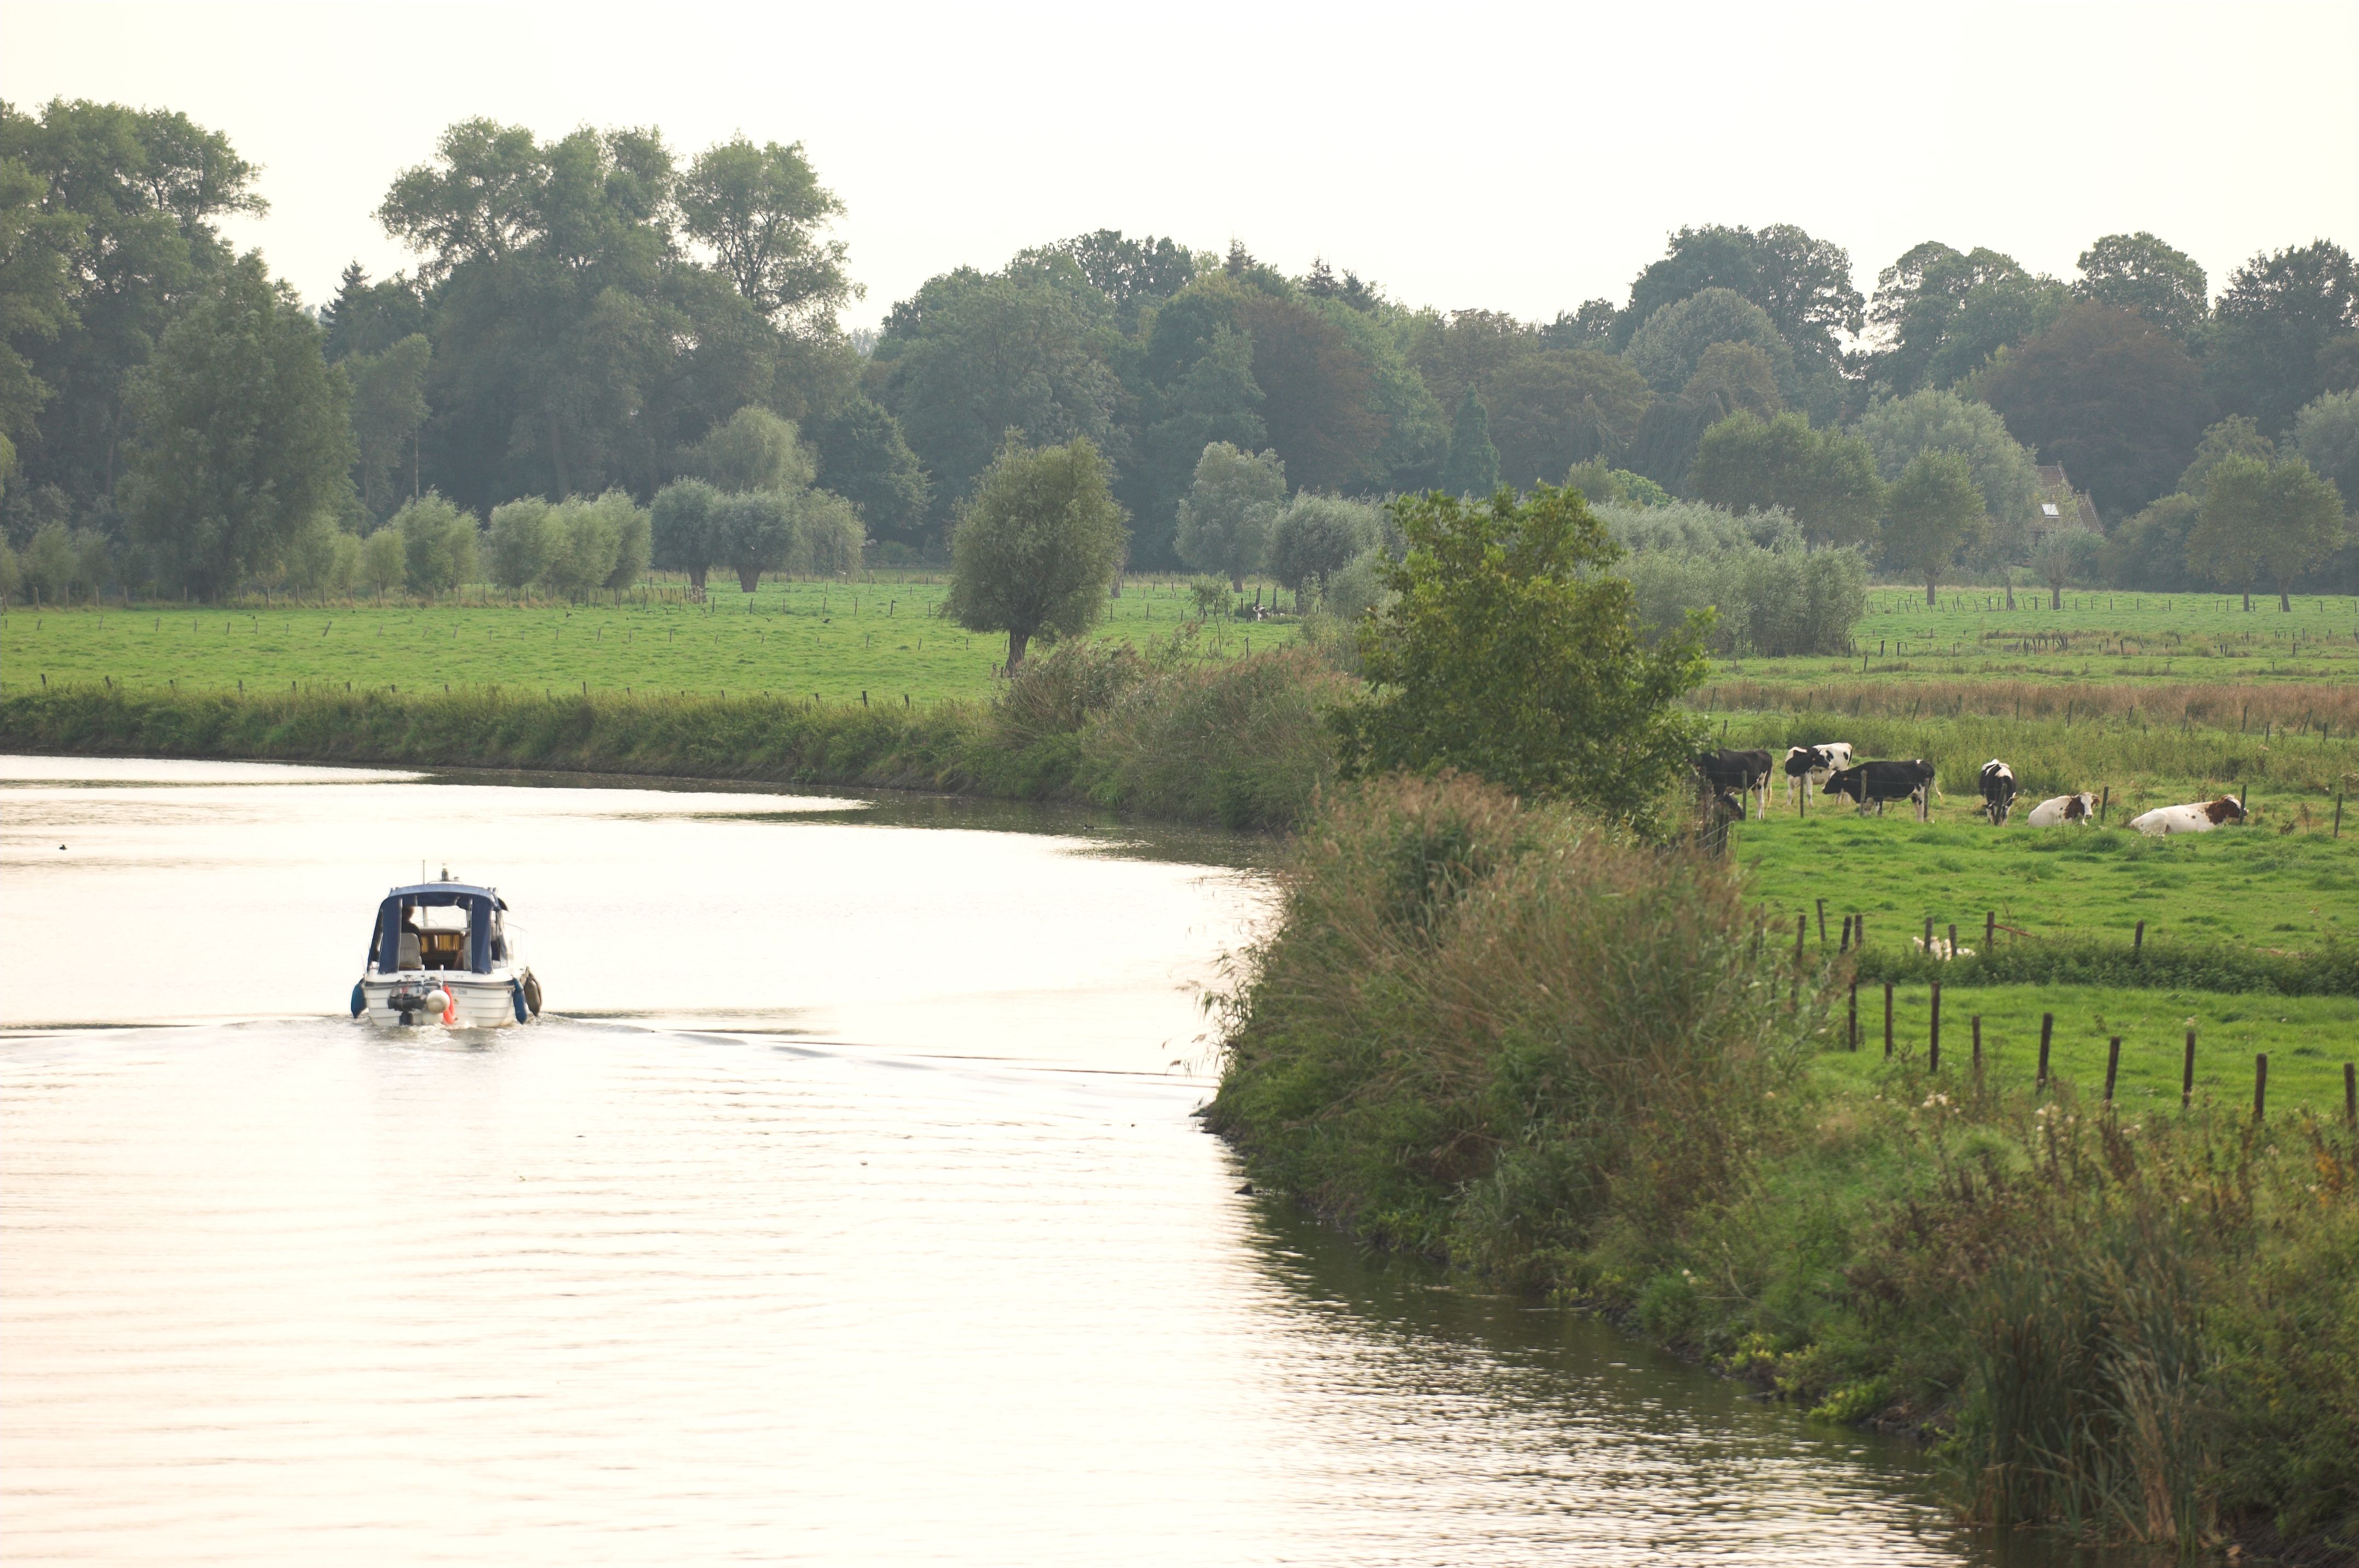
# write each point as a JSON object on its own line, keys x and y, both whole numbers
{"x": 2248, "y": 885}
{"x": 2307, "y": 1040}
{"x": 832, "y": 642}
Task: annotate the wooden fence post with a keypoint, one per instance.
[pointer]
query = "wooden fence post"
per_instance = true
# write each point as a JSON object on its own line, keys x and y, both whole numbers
{"x": 2260, "y": 1086}
{"x": 1953, "y": 942}
{"x": 1887, "y": 1021}
{"x": 1846, "y": 936}
{"x": 2047, "y": 1033}
{"x": 1928, "y": 936}
{"x": 1850, "y": 1035}
{"x": 1822, "y": 923}
{"x": 2351, "y": 1095}
{"x": 1933, "y": 1041}
{"x": 2137, "y": 943}
{"x": 1978, "y": 1042}
{"x": 2187, "y": 1075}
{"x": 2104, "y": 801}
{"x": 1801, "y": 930}
{"x": 2112, "y": 1066}
{"x": 1990, "y": 932}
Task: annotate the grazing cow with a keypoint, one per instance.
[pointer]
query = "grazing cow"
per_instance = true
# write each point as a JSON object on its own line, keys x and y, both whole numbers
{"x": 1875, "y": 783}
{"x": 2200, "y": 816}
{"x": 2060, "y": 809}
{"x": 1998, "y": 791}
{"x": 1736, "y": 772}
{"x": 1809, "y": 765}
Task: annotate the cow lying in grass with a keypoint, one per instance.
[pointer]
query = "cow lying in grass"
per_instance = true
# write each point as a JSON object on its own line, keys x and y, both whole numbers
{"x": 1998, "y": 791}
{"x": 1809, "y": 765}
{"x": 2063, "y": 808}
{"x": 2199, "y": 816}
{"x": 1873, "y": 784}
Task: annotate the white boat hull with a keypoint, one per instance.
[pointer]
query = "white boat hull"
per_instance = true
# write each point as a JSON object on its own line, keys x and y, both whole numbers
{"x": 483, "y": 1001}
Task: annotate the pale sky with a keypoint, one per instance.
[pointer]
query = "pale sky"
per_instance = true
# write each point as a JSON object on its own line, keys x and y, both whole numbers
{"x": 1520, "y": 157}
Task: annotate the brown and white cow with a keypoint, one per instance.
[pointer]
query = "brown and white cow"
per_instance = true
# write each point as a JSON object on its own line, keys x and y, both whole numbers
{"x": 2057, "y": 810}
{"x": 2198, "y": 816}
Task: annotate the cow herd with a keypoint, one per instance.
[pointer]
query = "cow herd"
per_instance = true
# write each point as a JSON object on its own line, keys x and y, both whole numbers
{"x": 1735, "y": 777}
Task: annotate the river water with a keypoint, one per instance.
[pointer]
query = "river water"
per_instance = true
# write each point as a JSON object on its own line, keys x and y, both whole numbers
{"x": 845, "y": 1209}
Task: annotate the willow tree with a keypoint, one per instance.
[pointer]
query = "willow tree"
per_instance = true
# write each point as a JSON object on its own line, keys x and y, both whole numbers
{"x": 1034, "y": 550}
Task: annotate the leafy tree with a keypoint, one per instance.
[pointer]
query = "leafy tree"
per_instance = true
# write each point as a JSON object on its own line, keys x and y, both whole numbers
{"x": 1826, "y": 479}
{"x": 1940, "y": 314}
{"x": 2326, "y": 434}
{"x": 244, "y": 433}
{"x": 2111, "y": 396}
{"x": 1601, "y": 484}
{"x": 1591, "y": 326}
{"x": 753, "y": 450}
{"x": 1225, "y": 522}
{"x": 2063, "y": 555}
{"x": 2277, "y": 315}
{"x": 1473, "y": 467}
{"x": 1318, "y": 535}
{"x": 384, "y": 564}
{"x": 1669, "y": 347}
{"x": 1553, "y": 409}
{"x": 762, "y": 211}
{"x": 681, "y": 524}
{"x": 1133, "y": 273}
{"x": 34, "y": 243}
{"x": 2149, "y": 550}
{"x": 324, "y": 559}
{"x": 438, "y": 545}
{"x": 388, "y": 408}
{"x": 594, "y": 544}
{"x": 828, "y": 534}
{"x": 1733, "y": 378}
{"x": 2234, "y": 435}
{"x": 1215, "y": 399}
{"x": 973, "y": 357}
{"x": 1468, "y": 349}
{"x": 2263, "y": 521}
{"x": 125, "y": 200}
{"x": 1035, "y": 548}
{"x": 863, "y": 458}
{"x": 367, "y": 318}
{"x": 1319, "y": 393}
{"x": 2141, "y": 274}
{"x": 1931, "y": 420}
{"x": 1803, "y": 285}
{"x": 1349, "y": 291}
{"x": 1933, "y": 514}
{"x": 755, "y": 531}
{"x": 1510, "y": 650}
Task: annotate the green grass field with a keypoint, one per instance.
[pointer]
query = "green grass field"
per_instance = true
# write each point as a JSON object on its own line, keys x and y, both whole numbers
{"x": 2242, "y": 885}
{"x": 832, "y": 642}
{"x": 2094, "y": 640}
{"x": 2307, "y": 1040}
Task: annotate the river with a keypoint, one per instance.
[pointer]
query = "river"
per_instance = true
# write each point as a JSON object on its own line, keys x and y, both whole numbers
{"x": 846, "y": 1208}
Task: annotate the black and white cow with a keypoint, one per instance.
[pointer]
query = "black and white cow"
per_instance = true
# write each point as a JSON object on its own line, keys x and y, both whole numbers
{"x": 1809, "y": 765}
{"x": 1873, "y": 784}
{"x": 1998, "y": 791}
{"x": 1739, "y": 774}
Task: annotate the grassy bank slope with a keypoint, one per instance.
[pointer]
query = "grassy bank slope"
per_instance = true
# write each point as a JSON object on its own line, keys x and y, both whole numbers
{"x": 1236, "y": 742}
{"x": 1497, "y": 1036}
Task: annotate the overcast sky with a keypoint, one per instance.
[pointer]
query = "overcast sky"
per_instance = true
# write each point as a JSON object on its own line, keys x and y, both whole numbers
{"x": 1520, "y": 157}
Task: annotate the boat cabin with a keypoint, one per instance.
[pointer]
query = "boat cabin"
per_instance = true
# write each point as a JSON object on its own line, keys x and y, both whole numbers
{"x": 446, "y": 926}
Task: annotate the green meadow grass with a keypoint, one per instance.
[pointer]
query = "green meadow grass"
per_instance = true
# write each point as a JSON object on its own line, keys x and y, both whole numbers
{"x": 2246, "y": 886}
{"x": 2307, "y": 1040}
{"x": 2095, "y": 639}
{"x": 828, "y": 641}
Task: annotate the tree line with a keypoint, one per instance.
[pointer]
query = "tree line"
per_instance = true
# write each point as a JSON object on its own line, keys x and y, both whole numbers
{"x": 586, "y": 314}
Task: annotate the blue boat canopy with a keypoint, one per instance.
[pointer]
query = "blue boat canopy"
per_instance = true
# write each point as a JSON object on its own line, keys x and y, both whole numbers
{"x": 486, "y": 944}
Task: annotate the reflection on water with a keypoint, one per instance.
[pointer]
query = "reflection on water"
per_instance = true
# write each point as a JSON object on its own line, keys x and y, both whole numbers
{"x": 305, "y": 1291}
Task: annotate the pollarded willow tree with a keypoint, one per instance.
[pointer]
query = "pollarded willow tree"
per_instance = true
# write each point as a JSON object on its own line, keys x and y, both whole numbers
{"x": 1035, "y": 548}
{"x": 1933, "y": 514}
{"x": 1226, "y": 522}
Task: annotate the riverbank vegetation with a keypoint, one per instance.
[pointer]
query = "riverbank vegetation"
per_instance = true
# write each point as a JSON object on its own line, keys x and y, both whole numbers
{"x": 1514, "y": 1037}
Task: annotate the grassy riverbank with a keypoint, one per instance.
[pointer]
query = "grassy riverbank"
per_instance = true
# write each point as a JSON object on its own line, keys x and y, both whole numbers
{"x": 1568, "y": 1063}
{"x": 1236, "y": 742}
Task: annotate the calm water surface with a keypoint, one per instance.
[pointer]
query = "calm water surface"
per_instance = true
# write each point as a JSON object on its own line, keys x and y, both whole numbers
{"x": 852, "y": 1213}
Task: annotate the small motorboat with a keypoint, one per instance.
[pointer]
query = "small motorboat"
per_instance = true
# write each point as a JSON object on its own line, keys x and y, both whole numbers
{"x": 441, "y": 953}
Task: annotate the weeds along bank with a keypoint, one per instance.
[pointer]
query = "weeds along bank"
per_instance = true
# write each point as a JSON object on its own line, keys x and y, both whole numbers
{"x": 1237, "y": 744}
{"x": 1571, "y": 1064}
